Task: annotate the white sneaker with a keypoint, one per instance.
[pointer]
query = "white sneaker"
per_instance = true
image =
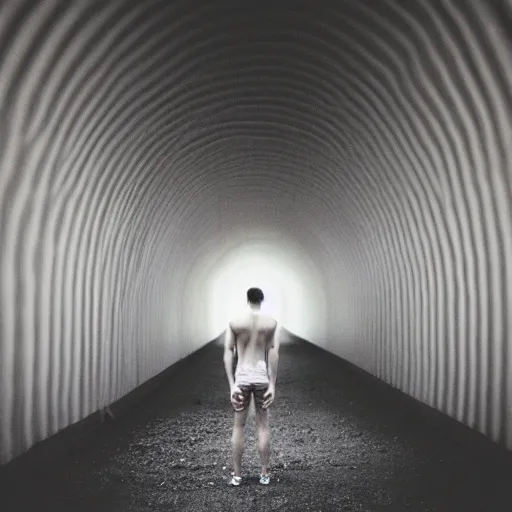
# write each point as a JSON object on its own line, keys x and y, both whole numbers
{"x": 235, "y": 480}
{"x": 264, "y": 479}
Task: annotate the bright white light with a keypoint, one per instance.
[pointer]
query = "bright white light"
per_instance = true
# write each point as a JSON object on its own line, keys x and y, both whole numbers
{"x": 289, "y": 289}
{"x": 243, "y": 272}
{"x": 216, "y": 290}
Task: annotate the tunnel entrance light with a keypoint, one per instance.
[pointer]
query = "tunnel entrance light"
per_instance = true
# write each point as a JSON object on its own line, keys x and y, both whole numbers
{"x": 216, "y": 290}
{"x": 289, "y": 288}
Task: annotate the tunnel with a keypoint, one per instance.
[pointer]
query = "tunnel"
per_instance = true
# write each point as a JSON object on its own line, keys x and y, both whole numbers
{"x": 352, "y": 158}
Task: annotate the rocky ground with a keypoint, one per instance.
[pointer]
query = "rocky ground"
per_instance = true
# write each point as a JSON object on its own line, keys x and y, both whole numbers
{"x": 334, "y": 447}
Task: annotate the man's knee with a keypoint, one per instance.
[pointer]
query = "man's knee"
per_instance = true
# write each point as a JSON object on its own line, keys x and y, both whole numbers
{"x": 238, "y": 433}
{"x": 240, "y": 417}
{"x": 262, "y": 420}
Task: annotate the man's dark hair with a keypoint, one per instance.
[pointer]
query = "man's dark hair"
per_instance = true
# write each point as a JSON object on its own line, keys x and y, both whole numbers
{"x": 255, "y": 296}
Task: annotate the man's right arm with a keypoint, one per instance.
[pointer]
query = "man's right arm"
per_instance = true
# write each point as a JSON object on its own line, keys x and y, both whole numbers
{"x": 229, "y": 347}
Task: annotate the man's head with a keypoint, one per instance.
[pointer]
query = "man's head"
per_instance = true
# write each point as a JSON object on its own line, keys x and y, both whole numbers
{"x": 255, "y": 296}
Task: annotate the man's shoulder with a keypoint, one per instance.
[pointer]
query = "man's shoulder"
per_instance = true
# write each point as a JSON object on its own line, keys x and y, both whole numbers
{"x": 238, "y": 322}
{"x": 271, "y": 321}
{"x": 234, "y": 322}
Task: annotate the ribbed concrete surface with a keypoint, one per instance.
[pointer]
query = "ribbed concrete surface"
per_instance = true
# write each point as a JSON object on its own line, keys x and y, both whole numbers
{"x": 140, "y": 140}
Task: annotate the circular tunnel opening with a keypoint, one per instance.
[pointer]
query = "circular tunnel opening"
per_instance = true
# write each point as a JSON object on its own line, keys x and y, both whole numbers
{"x": 290, "y": 280}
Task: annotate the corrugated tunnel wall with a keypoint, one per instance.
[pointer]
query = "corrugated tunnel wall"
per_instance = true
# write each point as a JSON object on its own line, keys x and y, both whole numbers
{"x": 157, "y": 157}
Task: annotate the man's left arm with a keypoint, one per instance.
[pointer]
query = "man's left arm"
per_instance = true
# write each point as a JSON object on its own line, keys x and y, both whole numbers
{"x": 229, "y": 348}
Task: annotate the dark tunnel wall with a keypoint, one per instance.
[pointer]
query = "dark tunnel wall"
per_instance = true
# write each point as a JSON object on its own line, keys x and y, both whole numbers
{"x": 366, "y": 147}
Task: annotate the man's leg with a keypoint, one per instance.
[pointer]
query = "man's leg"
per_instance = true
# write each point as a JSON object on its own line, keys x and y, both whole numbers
{"x": 263, "y": 429}
{"x": 237, "y": 440}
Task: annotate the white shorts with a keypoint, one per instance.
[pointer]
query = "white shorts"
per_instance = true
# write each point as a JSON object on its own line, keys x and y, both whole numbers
{"x": 247, "y": 375}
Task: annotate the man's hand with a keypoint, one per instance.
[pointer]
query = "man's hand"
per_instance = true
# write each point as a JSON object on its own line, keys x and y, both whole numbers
{"x": 269, "y": 397}
{"x": 236, "y": 397}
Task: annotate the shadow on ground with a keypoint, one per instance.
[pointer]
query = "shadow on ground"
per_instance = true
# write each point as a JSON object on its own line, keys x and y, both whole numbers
{"x": 334, "y": 447}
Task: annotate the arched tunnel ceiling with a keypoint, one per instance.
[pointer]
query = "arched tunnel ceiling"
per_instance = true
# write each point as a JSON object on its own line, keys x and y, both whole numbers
{"x": 138, "y": 140}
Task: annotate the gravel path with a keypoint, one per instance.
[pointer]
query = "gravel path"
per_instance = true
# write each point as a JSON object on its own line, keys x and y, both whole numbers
{"x": 334, "y": 447}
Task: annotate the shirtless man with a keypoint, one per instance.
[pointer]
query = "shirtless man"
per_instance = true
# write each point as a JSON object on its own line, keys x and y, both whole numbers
{"x": 254, "y": 336}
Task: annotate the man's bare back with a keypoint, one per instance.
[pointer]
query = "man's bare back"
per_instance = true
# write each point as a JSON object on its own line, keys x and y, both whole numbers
{"x": 253, "y": 333}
